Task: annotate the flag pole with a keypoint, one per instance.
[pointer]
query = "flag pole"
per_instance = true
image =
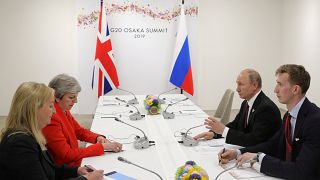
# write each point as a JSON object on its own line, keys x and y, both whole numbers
{"x": 181, "y": 75}
{"x": 181, "y": 90}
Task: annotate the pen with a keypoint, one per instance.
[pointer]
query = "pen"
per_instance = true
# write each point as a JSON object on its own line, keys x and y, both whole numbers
{"x": 223, "y": 150}
{"x": 112, "y": 151}
{"x": 89, "y": 168}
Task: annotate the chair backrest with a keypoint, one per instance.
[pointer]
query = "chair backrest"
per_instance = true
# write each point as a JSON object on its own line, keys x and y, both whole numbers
{"x": 224, "y": 107}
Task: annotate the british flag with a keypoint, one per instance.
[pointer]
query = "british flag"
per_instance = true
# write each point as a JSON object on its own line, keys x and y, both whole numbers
{"x": 105, "y": 76}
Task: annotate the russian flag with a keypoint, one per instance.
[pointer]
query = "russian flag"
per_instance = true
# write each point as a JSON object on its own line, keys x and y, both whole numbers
{"x": 181, "y": 75}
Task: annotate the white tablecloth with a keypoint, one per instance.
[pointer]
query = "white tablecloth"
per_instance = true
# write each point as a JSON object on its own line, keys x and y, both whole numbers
{"x": 167, "y": 154}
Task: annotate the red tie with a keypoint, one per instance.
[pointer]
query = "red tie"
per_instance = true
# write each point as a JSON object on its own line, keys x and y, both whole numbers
{"x": 288, "y": 136}
{"x": 246, "y": 115}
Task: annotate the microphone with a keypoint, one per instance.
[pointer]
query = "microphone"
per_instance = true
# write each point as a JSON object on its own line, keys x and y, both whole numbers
{"x": 162, "y": 100}
{"x": 140, "y": 142}
{"x": 128, "y": 162}
{"x": 168, "y": 115}
{"x": 188, "y": 140}
{"x": 135, "y": 116}
{"x": 132, "y": 101}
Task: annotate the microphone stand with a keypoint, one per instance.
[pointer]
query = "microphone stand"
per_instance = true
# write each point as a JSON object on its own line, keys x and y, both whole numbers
{"x": 167, "y": 115}
{"x": 129, "y": 162}
{"x": 135, "y": 116}
{"x": 188, "y": 140}
{"x": 140, "y": 142}
{"x": 162, "y": 101}
{"x": 132, "y": 101}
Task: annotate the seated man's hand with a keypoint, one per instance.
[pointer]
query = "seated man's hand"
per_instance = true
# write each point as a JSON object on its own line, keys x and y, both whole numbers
{"x": 227, "y": 155}
{"x": 214, "y": 124}
{"x": 205, "y": 135}
{"x": 246, "y": 158}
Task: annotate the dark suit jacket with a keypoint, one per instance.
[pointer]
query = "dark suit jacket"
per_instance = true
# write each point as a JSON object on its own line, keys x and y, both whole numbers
{"x": 264, "y": 121}
{"x": 305, "y": 148}
{"x": 22, "y": 158}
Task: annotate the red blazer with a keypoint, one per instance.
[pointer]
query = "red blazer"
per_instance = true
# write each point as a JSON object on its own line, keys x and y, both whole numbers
{"x": 62, "y": 136}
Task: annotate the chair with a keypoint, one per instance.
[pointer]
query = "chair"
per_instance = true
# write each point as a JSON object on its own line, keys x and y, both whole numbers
{"x": 224, "y": 108}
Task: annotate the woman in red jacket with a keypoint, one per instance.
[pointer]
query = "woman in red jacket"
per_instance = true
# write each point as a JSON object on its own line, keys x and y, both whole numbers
{"x": 63, "y": 133}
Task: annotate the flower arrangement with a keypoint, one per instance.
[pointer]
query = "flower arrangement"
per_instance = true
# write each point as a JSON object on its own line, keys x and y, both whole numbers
{"x": 191, "y": 171}
{"x": 152, "y": 104}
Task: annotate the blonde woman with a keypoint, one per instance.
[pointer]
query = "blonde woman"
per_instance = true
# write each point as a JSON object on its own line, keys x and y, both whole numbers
{"x": 22, "y": 149}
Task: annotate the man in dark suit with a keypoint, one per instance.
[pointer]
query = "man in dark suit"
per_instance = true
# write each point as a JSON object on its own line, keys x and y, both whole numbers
{"x": 294, "y": 151}
{"x": 257, "y": 121}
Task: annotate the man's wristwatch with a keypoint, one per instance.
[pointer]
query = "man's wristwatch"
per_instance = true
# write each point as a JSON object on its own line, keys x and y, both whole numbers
{"x": 215, "y": 135}
{"x": 257, "y": 157}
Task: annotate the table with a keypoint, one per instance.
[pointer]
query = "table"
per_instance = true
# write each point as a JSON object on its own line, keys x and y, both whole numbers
{"x": 167, "y": 154}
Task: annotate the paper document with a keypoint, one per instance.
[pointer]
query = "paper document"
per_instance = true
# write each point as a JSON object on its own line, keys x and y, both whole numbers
{"x": 206, "y": 149}
{"x": 213, "y": 142}
{"x": 243, "y": 172}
